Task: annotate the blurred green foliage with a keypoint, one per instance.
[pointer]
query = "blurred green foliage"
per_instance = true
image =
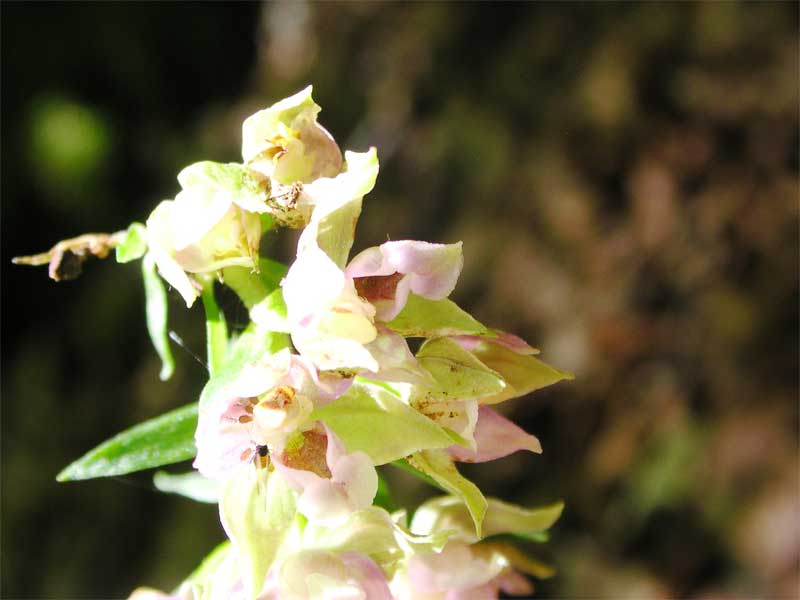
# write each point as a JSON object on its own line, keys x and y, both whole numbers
{"x": 625, "y": 181}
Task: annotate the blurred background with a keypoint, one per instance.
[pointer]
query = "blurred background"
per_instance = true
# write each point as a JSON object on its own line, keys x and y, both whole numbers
{"x": 625, "y": 181}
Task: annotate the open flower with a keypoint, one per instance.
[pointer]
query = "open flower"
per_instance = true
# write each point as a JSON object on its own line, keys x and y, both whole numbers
{"x": 320, "y": 574}
{"x": 385, "y": 275}
{"x": 269, "y": 401}
{"x": 329, "y": 323}
{"x": 212, "y": 223}
{"x": 286, "y": 144}
{"x": 332, "y": 482}
{"x": 334, "y": 315}
{"x": 459, "y": 572}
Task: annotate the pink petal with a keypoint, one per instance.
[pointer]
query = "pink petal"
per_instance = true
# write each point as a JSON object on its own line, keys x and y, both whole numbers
{"x": 508, "y": 340}
{"x": 368, "y": 575}
{"x": 495, "y": 437}
{"x": 513, "y": 583}
{"x": 395, "y": 360}
{"x": 454, "y": 569}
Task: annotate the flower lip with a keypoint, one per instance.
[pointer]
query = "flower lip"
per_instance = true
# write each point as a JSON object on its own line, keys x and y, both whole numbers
{"x": 377, "y": 287}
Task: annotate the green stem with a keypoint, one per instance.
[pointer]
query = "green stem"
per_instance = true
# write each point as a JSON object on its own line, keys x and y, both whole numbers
{"x": 216, "y": 329}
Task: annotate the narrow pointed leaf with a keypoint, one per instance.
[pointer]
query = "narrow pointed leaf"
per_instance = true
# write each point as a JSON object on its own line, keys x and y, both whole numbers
{"x": 161, "y": 441}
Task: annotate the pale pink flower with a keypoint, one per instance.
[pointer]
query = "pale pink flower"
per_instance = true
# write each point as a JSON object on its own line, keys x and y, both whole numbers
{"x": 334, "y": 328}
{"x": 332, "y": 482}
{"x": 385, "y": 275}
{"x": 459, "y": 572}
{"x": 318, "y": 574}
{"x": 268, "y": 401}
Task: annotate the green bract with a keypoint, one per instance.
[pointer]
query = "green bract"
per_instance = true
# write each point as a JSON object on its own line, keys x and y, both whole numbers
{"x": 458, "y": 373}
{"x": 522, "y": 372}
{"x": 434, "y": 318}
{"x": 371, "y": 419}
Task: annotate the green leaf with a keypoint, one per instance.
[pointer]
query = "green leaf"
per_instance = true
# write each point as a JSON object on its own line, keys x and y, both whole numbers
{"x": 216, "y": 330}
{"x": 438, "y": 465}
{"x": 371, "y": 419}
{"x": 421, "y": 317}
{"x": 134, "y": 245}
{"x": 456, "y": 371}
{"x": 156, "y": 311}
{"x": 256, "y": 510}
{"x": 161, "y": 441}
{"x": 522, "y": 372}
{"x": 190, "y": 485}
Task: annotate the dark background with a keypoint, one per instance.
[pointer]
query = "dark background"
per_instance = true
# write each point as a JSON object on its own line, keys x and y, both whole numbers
{"x": 625, "y": 181}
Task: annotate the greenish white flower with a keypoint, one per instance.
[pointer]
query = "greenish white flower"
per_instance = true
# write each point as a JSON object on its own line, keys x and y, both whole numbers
{"x": 211, "y": 224}
{"x": 285, "y": 144}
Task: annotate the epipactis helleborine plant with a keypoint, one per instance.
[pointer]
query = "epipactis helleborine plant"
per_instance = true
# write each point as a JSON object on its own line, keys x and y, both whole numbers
{"x": 321, "y": 387}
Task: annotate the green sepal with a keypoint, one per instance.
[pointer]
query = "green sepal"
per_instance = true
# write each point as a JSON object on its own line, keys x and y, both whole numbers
{"x": 421, "y": 317}
{"x": 457, "y": 372}
{"x": 522, "y": 373}
{"x": 160, "y": 441}
{"x": 371, "y": 419}
{"x": 133, "y": 245}
{"x": 439, "y": 466}
{"x": 333, "y": 223}
{"x": 449, "y": 512}
{"x": 156, "y": 313}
